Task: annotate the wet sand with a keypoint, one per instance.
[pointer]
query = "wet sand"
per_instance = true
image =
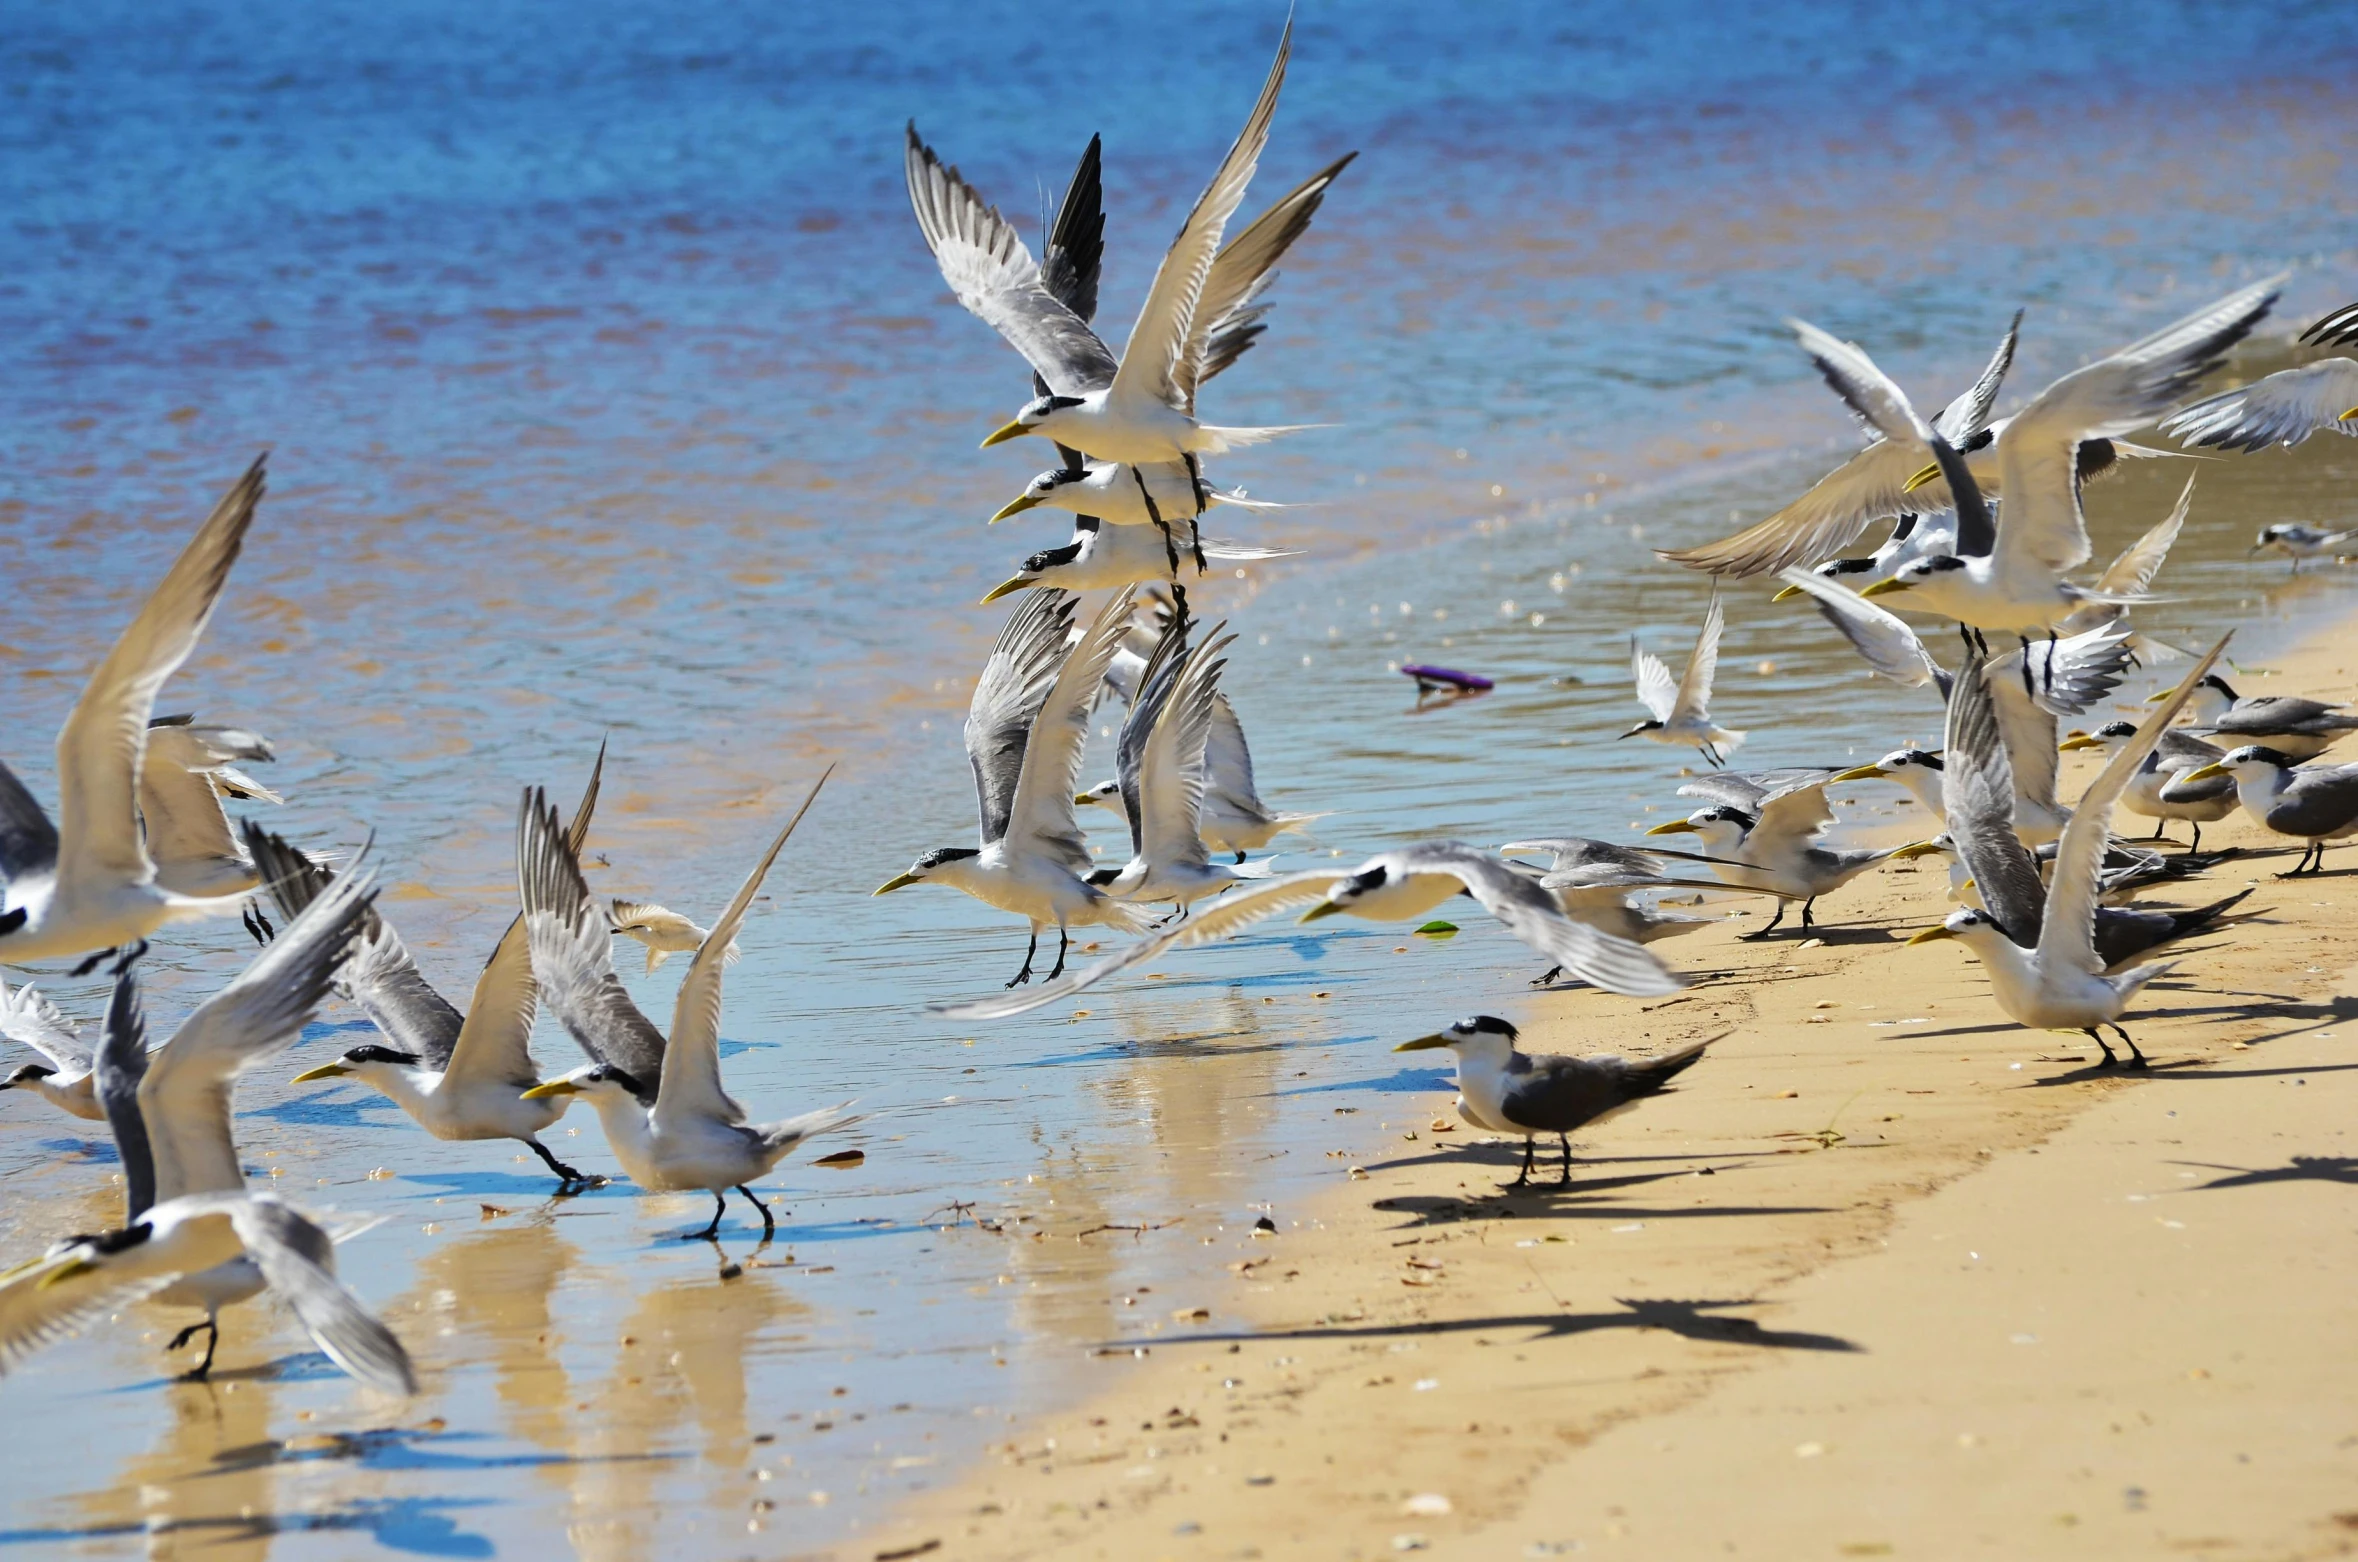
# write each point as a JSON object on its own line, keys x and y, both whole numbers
{"x": 1885, "y": 1275}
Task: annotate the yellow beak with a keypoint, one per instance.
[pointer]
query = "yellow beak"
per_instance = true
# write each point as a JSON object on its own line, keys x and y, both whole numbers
{"x": 1863, "y": 773}
{"x": 1884, "y": 588}
{"x": 1015, "y": 430}
{"x": 1674, "y": 827}
{"x": 903, "y": 882}
{"x": 555, "y": 1087}
{"x": 1915, "y": 849}
{"x": 1789, "y": 591}
{"x": 2347, "y": 416}
{"x": 324, "y": 1071}
{"x": 2205, "y": 773}
{"x": 1927, "y": 475}
{"x": 1423, "y": 1043}
{"x": 1930, "y": 935}
{"x": 64, "y": 1272}
{"x": 1016, "y": 505}
{"x": 1006, "y": 587}
{"x": 2072, "y": 745}
{"x": 1325, "y": 908}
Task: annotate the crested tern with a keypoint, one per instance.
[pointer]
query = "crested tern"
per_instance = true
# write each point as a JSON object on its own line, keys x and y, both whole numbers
{"x": 2037, "y": 941}
{"x": 1026, "y": 729}
{"x": 1398, "y": 885}
{"x": 2290, "y": 724}
{"x": 1681, "y": 710}
{"x": 87, "y": 885}
{"x": 1101, "y": 557}
{"x": 665, "y": 932}
{"x": 457, "y": 1078}
{"x": 2160, "y": 790}
{"x": 1509, "y": 1091}
{"x": 28, "y": 1018}
{"x": 2314, "y": 804}
{"x": 676, "y": 1130}
{"x": 2282, "y": 408}
{"x": 2299, "y": 542}
{"x": 1762, "y": 833}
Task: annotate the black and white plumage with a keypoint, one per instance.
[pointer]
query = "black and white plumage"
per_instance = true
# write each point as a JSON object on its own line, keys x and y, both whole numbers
{"x": 2313, "y": 804}
{"x": 1393, "y": 886}
{"x": 1761, "y": 832}
{"x": 2160, "y": 790}
{"x": 1101, "y": 557}
{"x": 1508, "y": 1091}
{"x": 1139, "y": 408}
{"x": 1596, "y": 882}
{"x": 87, "y": 882}
{"x": 2298, "y": 542}
{"x": 1026, "y": 730}
{"x": 184, "y": 777}
{"x": 2283, "y": 409}
{"x": 63, "y": 1079}
{"x": 2037, "y": 941}
{"x": 2009, "y": 576}
{"x": 1869, "y": 487}
{"x": 2291, "y": 724}
{"x": 169, "y": 1109}
{"x": 675, "y": 1128}
{"x": 1680, "y": 710}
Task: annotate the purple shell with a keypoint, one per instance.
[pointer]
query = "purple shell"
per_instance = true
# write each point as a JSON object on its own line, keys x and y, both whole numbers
{"x": 1444, "y": 677}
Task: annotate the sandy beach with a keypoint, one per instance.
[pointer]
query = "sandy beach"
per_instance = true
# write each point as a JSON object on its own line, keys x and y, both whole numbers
{"x": 1885, "y": 1275}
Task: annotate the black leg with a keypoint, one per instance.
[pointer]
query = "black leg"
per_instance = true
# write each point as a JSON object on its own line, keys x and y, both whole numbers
{"x": 1566, "y": 1141}
{"x": 769, "y": 1225}
{"x": 563, "y": 1171}
{"x": 1766, "y": 931}
{"x": 711, "y": 1233}
{"x": 187, "y": 1334}
{"x": 204, "y": 1368}
{"x": 1029, "y": 950}
{"x": 1550, "y": 975}
{"x": 2109, "y": 1059}
{"x": 1527, "y": 1154}
{"x": 1064, "y": 942}
{"x": 1195, "y": 529}
{"x": 2136, "y": 1058}
{"x": 92, "y": 964}
{"x": 2197, "y": 846}
{"x": 2029, "y": 692}
{"x": 1806, "y": 919}
{"x": 1240, "y": 859}
{"x": 1154, "y": 513}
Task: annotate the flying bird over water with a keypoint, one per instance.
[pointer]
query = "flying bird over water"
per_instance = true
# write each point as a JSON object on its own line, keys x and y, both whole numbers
{"x": 2283, "y": 408}
{"x": 87, "y": 884}
{"x": 1681, "y": 710}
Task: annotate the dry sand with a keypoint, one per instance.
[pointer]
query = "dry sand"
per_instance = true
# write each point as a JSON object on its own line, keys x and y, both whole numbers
{"x": 1887, "y": 1275}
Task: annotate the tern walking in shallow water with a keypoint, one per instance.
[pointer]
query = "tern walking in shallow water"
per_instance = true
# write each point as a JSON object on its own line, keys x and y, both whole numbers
{"x": 677, "y": 1129}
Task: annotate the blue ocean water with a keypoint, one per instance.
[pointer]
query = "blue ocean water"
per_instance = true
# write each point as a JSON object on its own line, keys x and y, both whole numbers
{"x": 612, "y": 394}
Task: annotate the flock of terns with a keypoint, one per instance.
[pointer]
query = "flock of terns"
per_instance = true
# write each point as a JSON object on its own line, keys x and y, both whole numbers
{"x": 142, "y": 840}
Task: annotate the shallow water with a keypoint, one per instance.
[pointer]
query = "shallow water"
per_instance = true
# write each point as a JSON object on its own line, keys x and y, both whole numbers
{"x": 611, "y": 393}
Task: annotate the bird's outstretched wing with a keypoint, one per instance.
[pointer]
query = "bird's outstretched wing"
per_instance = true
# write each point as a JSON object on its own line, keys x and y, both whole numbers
{"x": 691, "y": 1064}
{"x": 378, "y": 974}
{"x": 1075, "y": 251}
{"x": 99, "y": 750}
{"x": 1870, "y": 393}
{"x": 185, "y": 1098}
{"x": 1694, "y": 687}
{"x": 1040, "y": 815}
{"x": 28, "y": 841}
{"x": 297, "y": 1259}
{"x": 1232, "y": 913}
{"x": 1230, "y": 310}
{"x": 1532, "y": 915}
{"x": 1890, "y": 647}
{"x": 573, "y": 950}
{"x": 28, "y": 1018}
{"x": 1657, "y": 691}
{"x": 1153, "y": 367}
{"x": 119, "y": 1070}
{"x": 1172, "y": 769}
{"x": 2039, "y": 452}
{"x": 62, "y": 1292}
{"x": 2129, "y": 574}
{"x": 985, "y": 262}
{"x": 2282, "y": 409}
{"x": 1977, "y": 796}
{"x": 1015, "y": 680}
{"x": 1969, "y": 414}
{"x": 2069, "y": 936}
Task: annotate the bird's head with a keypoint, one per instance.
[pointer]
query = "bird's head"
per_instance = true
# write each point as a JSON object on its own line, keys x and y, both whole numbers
{"x": 2275, "y": 536}
{"x": 361, "y": 1063}
{"x": 2104, "y": 737}
{"x": 2249, "y": 762}
{"x": 1347, "y": 893}
{"x": 1041, "y": 490}
{"x": 1916, "y": 572}
{"x": 1643, "y": 726}
{"x": 1106, "y": 794}
{"x": 596, "y": 1081}
{"x": 1965, "y": 923}
{"x": 1038, "y": 416}
{"x": 1475, "y": 1034}
{"x": 1720, "y": 825}
{"x": 27, "y": 1074}
{"x": 1898, "y": 762}
{"x": 943, "y": 862}
{"x": 1042, "y": 567}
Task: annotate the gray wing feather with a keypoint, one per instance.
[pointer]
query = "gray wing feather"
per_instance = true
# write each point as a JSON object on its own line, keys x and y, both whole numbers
{"x": 286, "y": 1248}
{"x": 573, "y": 950}
{"x": 28, "y": 1018}
{"x": 1532, "y": 915}
{"x": 1890, "y": 647}
{"x": 1075, "y": 251}
{"x": 1969, "y": 414}
{"x": 28, "y": 841}
{"x": 120, "y": 1066}
{"x": 1977, "y": 794}
{"x": 1007, "y": 698}
{"x": 1230, "y": 304}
